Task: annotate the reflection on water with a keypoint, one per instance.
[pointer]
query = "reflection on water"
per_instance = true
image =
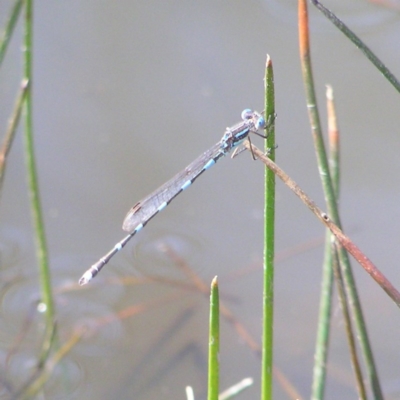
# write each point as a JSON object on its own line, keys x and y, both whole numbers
{"x": 119, "y": 108}
{"x": 93, "y": 323}
{"x": 150, "y": 258}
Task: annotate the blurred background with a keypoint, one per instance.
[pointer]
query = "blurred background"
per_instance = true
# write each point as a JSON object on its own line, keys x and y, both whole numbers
{"x": 126, "y": 94}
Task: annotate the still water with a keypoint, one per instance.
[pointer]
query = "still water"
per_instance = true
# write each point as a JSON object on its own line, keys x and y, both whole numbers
{"x": 126, "y": 94}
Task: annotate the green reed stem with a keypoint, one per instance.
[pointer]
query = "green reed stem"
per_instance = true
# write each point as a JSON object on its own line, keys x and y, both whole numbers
{"x": 269, "y": 241}
{"x": 33, "y": 186}
{"x": 9, "y": 29}
{"x": 330, "y": 198}
{"x": 213, "y": 343}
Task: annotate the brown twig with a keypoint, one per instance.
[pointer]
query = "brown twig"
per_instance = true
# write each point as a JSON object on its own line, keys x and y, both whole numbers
{"x": 344, "y": 240}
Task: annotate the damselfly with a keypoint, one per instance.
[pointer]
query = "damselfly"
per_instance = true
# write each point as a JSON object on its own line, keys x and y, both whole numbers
{"x": 141, "y": 213}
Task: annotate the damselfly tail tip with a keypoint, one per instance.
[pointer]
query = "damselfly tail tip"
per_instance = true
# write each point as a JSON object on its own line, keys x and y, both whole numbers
{"x": 86, "y": 278}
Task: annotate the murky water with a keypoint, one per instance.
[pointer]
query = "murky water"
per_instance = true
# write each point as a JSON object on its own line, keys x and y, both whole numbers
{"x": 126, "y": 94}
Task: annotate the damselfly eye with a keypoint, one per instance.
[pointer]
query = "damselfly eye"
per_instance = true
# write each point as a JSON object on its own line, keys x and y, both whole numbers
{"x": 247, "y": 114}
{"x": 260, "y": 124}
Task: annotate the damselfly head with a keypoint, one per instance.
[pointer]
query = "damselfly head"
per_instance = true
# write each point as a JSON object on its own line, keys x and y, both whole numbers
{"x": 257, "y": 119}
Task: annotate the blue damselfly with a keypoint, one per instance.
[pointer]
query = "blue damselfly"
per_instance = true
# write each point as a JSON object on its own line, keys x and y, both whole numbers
{"x": 143, "y": 211}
